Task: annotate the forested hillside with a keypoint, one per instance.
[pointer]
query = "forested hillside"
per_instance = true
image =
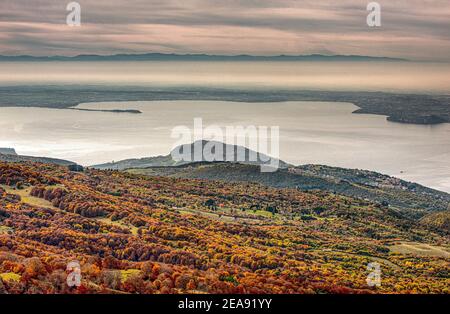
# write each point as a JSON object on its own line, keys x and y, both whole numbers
{"x": 412, "y": 199}
{"x": 137, "y": 234}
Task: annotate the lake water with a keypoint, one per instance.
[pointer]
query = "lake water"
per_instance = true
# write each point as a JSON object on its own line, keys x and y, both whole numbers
{"x": 311, "y": 132}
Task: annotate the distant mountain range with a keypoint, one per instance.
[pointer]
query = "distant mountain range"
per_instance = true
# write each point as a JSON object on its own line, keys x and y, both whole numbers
{"x": 197, "y": 57}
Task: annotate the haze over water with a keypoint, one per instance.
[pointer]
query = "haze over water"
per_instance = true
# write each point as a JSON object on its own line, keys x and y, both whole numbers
{"x": 409, "y": 77}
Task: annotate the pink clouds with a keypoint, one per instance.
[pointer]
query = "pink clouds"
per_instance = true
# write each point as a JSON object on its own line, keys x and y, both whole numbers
{"x": 409, "y": 28}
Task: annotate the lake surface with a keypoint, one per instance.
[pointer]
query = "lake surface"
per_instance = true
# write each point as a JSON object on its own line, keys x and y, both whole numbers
{"x": 311, "y": 132}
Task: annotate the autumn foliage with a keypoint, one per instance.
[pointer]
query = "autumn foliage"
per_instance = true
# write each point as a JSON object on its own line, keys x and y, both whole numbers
{"x": 137, "y": 234}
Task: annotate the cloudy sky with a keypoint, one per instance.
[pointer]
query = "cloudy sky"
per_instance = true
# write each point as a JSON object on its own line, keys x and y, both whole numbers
{"x": 411, "y": 29}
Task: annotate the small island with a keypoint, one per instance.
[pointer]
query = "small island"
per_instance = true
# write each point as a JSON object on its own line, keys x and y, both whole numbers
{"x": 134, "y": 111}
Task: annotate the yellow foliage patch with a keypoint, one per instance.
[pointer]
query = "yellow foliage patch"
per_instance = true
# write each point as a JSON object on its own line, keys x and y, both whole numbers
{"x": 10, "y": 277}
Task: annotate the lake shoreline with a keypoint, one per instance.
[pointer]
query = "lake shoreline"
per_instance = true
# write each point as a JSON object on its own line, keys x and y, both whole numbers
{"x": 402, "y": 108}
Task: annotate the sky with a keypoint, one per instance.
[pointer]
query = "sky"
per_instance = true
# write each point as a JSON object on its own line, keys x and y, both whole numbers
{"x": 413, "y": 29}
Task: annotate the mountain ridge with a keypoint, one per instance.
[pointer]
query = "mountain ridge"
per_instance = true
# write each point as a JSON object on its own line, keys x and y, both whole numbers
{"x": 197, "y": 57}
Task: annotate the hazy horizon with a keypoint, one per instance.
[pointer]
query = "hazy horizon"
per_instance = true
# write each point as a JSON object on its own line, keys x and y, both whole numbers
{"x": 346, "y": 76}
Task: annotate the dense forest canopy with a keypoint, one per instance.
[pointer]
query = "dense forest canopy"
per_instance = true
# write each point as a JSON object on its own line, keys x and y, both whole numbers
{"x": 137, "y": 234}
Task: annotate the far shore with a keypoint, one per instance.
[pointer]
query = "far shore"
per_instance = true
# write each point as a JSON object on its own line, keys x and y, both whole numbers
{"x": 421, "y": 109}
